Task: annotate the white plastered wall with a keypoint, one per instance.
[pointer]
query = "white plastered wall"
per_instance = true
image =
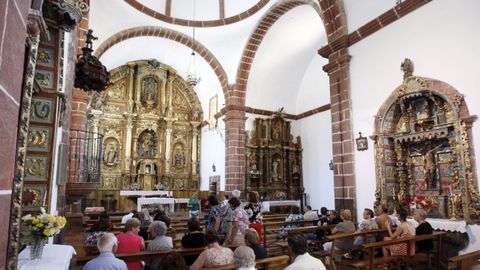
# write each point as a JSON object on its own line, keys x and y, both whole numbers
{"x": 442, "y": 39}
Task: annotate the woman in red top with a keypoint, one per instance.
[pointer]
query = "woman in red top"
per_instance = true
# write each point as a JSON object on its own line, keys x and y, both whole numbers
{"x": 130, "y": 242}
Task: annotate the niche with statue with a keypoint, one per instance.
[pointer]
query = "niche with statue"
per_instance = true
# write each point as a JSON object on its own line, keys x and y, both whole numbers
{"x": 273, "y": 160}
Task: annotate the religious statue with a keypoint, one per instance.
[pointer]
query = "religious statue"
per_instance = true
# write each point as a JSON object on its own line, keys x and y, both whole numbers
{"x": 195, "y": 116}
{"x": 429, "y": 165}
{"x": 111, "y": 157}
{"x": 424, "y": 111}
{"x": 407, "y": 68}
{"x": 149, "y": 92}
{"x": 179, "y": 159}
{"x": 146, "y": 145}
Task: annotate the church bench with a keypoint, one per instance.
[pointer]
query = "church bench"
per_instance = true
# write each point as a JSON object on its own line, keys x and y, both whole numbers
{"x": 144, "y": 255}
{"x": 370, "y": 247}
{"x": 466, "y": 261}
{"x": 274, "y": 227}
{"x": 272, "y": 263}
{"x": 342, "y": 236}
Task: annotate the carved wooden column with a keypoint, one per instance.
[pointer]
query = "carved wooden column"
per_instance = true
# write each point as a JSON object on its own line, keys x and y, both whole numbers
{"x": 195, "y": 125}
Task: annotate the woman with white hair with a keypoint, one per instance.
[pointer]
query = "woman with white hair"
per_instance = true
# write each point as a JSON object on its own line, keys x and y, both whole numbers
{"x": 423, "y": 228}
{"x": 244, "y": 258}
{"x": 157, "y": 231}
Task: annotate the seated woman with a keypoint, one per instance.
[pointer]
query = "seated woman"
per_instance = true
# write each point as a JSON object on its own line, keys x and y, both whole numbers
{"x": 346, "y": 226}
{"x": 157, "y": 231}
{"x": 143, "y": 224}
{"x": 214, "y": 255}
{"x": 97, "y": 230}
{"x": 423, "y": 228}
{"x": 130, "y": 242}
{"x": 366, "y": 225}
{"x": 405, "y": 229}
{"x": 254, "y": 211}
{"x": 251, "y": 240}
{"x": 294, "y": 215}
{"x": 239, "y": 222}
{"x": 193, "y": 239}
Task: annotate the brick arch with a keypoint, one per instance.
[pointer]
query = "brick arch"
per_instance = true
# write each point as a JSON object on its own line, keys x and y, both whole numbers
{"x": 331, "y": 14}
{"x": 160, "y": 32}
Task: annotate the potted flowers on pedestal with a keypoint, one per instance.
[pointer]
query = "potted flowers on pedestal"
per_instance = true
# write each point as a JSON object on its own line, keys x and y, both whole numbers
{"x": 42, "y": 226}
{"x": 422, "y": 202}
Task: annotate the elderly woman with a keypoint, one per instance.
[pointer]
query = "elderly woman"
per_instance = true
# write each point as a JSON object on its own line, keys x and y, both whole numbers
{"x": 214, "y": 255}
{"x": 423, "y": 228}
{"x": 157, "y": 231}
{"x": 130, "y": 242}
{"x": 251, "y": 240}
{"x": 214, "y": 221}
{"x": 346, "y": 226}
{"x": 254, "y": 211}
{"x": 239, "y": 222}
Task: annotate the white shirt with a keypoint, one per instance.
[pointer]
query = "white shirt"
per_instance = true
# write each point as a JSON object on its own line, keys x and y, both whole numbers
{"x": 126, "y": 217}
{"x": 306, "y": 262}
{"x": 310, "y": 215}
{"x": 247, "y": 268}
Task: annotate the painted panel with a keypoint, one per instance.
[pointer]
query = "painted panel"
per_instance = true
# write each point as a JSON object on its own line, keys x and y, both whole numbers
{"x": 39, "y": 138}
{"x": 42, "y": 110}
{"x": 46, "y": 57}
{"x": 33, "y": 196}
{"x": 36, "y": 168}
{"x": 44, "y": 78}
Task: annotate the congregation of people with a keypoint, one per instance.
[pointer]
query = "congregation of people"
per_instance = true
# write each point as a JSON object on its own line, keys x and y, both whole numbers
{"x": 233, "y": 235}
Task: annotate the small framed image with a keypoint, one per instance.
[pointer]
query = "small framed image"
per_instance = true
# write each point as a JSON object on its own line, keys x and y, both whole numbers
{"x": 362, "y": 142}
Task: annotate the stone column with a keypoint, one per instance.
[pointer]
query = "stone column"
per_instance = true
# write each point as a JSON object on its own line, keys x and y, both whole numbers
{"x": 342, "y": 135}
{"x": 235, "y": 167}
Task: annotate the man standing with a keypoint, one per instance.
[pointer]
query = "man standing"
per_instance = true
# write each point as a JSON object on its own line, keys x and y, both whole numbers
{"x": 297, "y": 247}
{"x": 107, "y": 245}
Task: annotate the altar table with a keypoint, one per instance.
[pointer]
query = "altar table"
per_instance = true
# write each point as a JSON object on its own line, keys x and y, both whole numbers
{"x": 143, "y": 193}
{"x": 439, "y": 224}
{"x": 54, "y": 257}
{"x": 141, "y": 201}
{"x": 267, "y": 204}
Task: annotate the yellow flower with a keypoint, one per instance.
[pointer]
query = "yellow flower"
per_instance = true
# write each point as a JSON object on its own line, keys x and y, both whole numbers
{"x": 39, "y": 225}
{"x": 35, "y": 221}
{"x": 47, "y": 232}
{"x": 61, "y": 221}
{"x": 50, "y": 218}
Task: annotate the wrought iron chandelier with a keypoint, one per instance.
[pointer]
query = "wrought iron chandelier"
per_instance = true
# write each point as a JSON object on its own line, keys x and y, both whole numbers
{"x": 192, "y": 78}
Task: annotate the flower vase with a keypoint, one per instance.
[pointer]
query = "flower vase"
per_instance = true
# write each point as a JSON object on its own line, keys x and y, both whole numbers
{"x": 36, "y": 247}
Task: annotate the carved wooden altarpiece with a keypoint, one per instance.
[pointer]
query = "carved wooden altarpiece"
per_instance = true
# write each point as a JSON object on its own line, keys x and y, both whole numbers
{"x": 150, "y": 120}
{"x": 423, "y": 148}
{"x": 274, "y": 161}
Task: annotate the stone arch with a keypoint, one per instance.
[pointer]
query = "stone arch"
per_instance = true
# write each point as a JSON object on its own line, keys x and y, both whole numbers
{"x": 156, "y": 31}
{"x": 197, "y": 23}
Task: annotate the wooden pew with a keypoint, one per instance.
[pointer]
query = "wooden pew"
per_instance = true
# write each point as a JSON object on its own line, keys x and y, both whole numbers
{"x": 144, "y": 255}
{"x": 371, "y": 261}
{"x": 272, "y": 263}
{"x": 277, "y": 225}
{"x": 466, "y": 261}
{"x": 342, "y": 236}
{"x": 305, "y": 230}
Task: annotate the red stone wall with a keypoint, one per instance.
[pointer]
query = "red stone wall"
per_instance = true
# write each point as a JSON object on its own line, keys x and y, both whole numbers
{"x": 13, "y": 33}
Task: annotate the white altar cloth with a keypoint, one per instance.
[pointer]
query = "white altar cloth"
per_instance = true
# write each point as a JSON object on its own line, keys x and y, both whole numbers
{"x": 267, "y": 204}
{"x": 143, "y": 193}
{"x": 142, "y": 201}
{"x": 439, "y": 224}
{"x": 54, "y": 257}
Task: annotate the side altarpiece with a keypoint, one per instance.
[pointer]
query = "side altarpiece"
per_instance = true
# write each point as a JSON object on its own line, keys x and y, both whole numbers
{"x": 274, "y": 161}
{"x": 150, "y": 119}
{"x": 423, "y": 147}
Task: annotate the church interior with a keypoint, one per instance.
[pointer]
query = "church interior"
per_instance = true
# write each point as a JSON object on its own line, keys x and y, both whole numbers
{"x": 119, "y": 106}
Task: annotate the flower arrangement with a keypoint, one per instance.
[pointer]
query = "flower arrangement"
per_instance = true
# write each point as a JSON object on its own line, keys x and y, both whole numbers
{"x": 421, "y": 202}
{"x": 44, "y": 225}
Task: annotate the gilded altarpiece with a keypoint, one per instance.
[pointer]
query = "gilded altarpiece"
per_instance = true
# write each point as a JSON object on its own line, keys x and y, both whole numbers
{"x": 150, "y": 120}
{"x": 423, "y": 148}
{"x": 274, "y": 161}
